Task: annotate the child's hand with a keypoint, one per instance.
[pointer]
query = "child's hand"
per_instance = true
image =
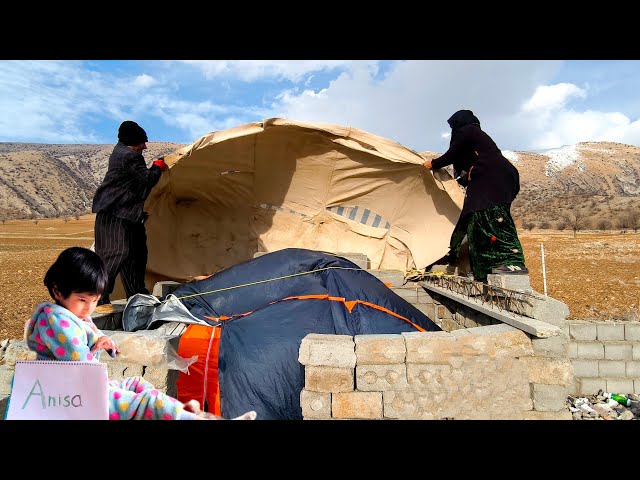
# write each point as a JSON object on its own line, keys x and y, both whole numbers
{"x": 106, "y": 343}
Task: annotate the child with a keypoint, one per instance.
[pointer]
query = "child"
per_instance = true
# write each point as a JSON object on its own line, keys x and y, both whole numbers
{"x": 64, "y": 331}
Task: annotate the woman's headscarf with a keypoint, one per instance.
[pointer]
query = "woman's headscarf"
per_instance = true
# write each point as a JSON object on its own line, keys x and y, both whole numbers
{"x": 461, "y": 119}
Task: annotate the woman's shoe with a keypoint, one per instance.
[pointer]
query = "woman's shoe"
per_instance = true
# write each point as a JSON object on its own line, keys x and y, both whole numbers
{"x": 510, "y": 270}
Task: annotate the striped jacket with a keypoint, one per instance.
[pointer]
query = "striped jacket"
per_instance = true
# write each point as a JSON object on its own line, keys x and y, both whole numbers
{"x": 126, "y": 185}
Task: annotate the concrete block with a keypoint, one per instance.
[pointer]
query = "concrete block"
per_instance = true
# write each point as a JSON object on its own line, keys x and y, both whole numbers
{"x": 380, "y": 349}
{"x": 583, "y": 331}
{"x": 328, "y": 379}
{"x": 428, "y": 376}
{"x": 327, "y": 350}
{"x": 611, "y": 368}
{"x": 632, "y": 331}
{"x": 546, "y": 309}
{"x": 572, "y": 350}
{"x": 430, "y": 347}
{"x": 144, "y": 347}
{"x": 429, "y": 309}
{"x": 423, "y": 295}
{"x": 590, "y": 386}
{"x": 518, "y": 283}
{"x": 163, "y": 379}
{"x": 164, "y": 288}
{"x": 636, "y": 351}
{"x": 549, "y": 398}
{"x": 620, "y": 385}
{"x": 618, "y": 351}
{"x": 356, "y": 405}
{"x": 380, "y": 378}
{"x": 315, "y": 405}
{"x": 555, "y": 346}
{"x": 549, "y": 371}
{"x": 636, "y": 386}
{"x": 458, "y": 332}
{"x": 411, "y": 405}
{"x": 479, "y": 388}
{"x": 393, "y": 277}
{"x": 610, "y": 331}
{"x": 4, "y": 403}
{"x": 360, "y": 259}
{"x": 590, "y": 350}
{"x": 497, "y": 341}
{"x": 450, "y": 324}
{"x": 120, "y": 370}
{"x": 585, "y": 368}
{"x": 632, "y": 369}
{"x": 17, "y": 350}
{"x": 535, "y": 415}
{"x": 445, "y": 312}
{"x": 410, "y": 294}
{"x": 574, "y": 388}
{"x": 6, "y": 376}
{"x": 491, "y": 329}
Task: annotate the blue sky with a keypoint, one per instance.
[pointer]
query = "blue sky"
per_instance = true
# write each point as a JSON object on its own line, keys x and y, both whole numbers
{"x": 524, "y": 105}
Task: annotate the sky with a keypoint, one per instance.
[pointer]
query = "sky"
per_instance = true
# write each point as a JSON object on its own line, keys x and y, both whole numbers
{"x": 524, "y": 105}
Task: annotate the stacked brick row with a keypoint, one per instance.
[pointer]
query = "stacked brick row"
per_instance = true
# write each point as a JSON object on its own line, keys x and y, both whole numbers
{"x": 445, "y": 312}
{"x": 605, "y": 356}
{"x": 145, "y": 364}
{"x": 487, "y": 372}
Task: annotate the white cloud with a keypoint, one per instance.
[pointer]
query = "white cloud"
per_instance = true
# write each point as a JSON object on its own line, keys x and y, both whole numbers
{"x": 523, "y": 105}
{"x": 144, "y": 81}
{"x": 413, "y": 101}
{"x": 552, "y": 97}
{"x": 250, "y": 70}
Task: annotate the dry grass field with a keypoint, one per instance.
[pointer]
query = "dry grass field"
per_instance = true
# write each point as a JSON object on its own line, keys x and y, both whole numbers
{"x": 597, "y": 275}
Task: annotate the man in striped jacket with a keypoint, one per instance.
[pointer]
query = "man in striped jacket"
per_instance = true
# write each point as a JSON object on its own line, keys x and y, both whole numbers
{"x": 120, "y": 234}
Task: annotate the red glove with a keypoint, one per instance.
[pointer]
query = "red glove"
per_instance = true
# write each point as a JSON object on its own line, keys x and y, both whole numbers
{"x": 159, "y": 162}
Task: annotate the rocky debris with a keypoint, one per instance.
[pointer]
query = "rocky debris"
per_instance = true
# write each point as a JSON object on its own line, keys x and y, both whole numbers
{"x": 599, "y": 407}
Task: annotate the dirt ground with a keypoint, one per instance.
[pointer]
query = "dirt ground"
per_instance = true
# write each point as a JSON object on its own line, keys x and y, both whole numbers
{"x": 596, "y": 274}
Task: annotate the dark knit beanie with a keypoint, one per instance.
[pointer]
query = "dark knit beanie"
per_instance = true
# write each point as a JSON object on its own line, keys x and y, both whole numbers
{"x": 130, "y": 133}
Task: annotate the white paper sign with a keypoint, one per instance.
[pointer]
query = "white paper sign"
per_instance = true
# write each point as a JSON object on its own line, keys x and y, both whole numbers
{"x": 59, "y": 390}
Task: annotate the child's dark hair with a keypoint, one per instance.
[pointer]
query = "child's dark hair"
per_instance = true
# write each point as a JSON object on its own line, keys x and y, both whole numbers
{"x": 78, "y": 270}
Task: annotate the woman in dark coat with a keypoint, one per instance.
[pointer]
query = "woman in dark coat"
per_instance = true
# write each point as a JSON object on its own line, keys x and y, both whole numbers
{"x": 492, "y": 184}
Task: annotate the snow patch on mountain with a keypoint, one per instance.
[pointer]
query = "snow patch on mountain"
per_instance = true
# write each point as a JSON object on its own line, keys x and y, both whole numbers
{"x": 511, "y": 156}
{"x": 559, "y": 158}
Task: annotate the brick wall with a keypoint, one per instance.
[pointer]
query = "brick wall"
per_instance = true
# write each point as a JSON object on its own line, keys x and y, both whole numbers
{"x": 605, "y": 356}
{"x": 490, "y": 372}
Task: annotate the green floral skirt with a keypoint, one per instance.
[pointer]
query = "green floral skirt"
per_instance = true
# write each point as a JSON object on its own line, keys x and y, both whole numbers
{"x": 493, "y": 240}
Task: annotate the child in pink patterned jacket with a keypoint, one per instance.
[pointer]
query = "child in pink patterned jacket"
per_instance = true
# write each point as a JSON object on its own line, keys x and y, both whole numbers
{"x": 64, "y": 331}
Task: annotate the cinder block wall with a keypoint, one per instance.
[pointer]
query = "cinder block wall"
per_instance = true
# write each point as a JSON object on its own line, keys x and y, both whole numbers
{"x": 487, "y": 372}
{"x": 418, "y": 375}
{"x": 143, "y": 355}
{"x": 605, "y": 356}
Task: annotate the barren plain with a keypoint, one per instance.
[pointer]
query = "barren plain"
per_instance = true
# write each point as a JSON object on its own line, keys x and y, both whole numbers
{"x": 596, "y": 274}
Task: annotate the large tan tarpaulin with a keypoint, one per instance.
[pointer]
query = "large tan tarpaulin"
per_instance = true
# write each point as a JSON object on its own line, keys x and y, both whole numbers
{"x": 279, "y": 183}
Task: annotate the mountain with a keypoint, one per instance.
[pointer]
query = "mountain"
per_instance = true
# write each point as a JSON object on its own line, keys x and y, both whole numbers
{"x": 587, "y": 185}
{"x": 44, "y": 181}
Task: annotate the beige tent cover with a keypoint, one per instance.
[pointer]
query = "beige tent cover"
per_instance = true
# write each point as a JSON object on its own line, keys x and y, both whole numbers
{"x": 279, "y": 183}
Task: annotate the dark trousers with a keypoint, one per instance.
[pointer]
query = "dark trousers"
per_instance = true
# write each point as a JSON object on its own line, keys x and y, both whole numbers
{"x": 122, "y": 245}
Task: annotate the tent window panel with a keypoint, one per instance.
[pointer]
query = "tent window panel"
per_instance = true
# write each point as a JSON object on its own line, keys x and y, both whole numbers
{"x": 277, "y": 208}
{"x": 361, "y": 215}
